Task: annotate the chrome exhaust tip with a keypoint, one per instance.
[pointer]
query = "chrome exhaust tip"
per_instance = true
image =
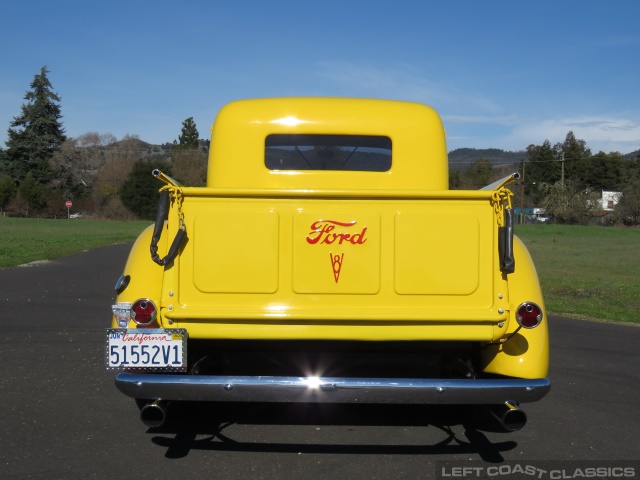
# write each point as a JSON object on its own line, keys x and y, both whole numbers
{"x": 509, "y": 415}
{"x": 154, "y": 414}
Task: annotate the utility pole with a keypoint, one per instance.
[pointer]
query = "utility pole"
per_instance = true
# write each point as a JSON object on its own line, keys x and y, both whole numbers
{"x": 562, "y": 160}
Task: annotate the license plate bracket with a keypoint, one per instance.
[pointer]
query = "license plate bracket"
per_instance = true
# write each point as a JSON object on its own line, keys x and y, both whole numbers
{"x": 146, "y": 350}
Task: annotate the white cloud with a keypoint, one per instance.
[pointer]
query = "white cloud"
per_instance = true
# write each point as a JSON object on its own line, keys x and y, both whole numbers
{"x": 606, "y": 133}
{"x": 514, "y": 132}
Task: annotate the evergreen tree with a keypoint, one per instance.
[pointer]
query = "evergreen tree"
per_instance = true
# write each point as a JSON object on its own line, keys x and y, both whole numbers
{"x": 7, "y": 191}
{"x": 455, "y": 180}
{"x": 32, "y": 192}
{"x": 139, "y": 192}
{"x": 479, "y": 173}
{"x": 542, "y": 165}
{"x": 189, "y": 138}
{"x": 576, "y": 157}
{"x": 605, "y": 172}
{"x": 633, "y": 168}
{"x": 189, "y": 162}
{"x": 36, "y": 134}
{"x": 628, "y": 209}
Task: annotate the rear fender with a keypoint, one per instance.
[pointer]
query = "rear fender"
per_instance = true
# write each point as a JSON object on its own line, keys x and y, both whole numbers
{"x": 145, "y": 276}
{"x": 526, "y": 353}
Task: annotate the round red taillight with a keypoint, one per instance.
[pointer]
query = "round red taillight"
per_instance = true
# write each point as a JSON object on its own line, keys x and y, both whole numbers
{"x": 144, "y": 312}
{"x": 529, "y": 315}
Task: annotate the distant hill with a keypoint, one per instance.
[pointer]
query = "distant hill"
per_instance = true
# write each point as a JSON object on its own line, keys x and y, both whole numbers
{"x": 461, "y": 158}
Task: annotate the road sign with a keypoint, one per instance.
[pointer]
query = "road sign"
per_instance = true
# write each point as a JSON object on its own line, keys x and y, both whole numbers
{"x": 68, "y": 204}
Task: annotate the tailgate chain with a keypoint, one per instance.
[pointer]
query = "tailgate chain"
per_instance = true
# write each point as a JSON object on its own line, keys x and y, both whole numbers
{"x": 170, "y": 192}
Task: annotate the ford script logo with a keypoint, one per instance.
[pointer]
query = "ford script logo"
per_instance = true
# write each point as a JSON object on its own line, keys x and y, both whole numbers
{"x": 330, "y": 232}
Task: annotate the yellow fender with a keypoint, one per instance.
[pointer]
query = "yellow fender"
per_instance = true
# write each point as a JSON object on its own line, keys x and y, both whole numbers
{"x": 526, "y": 353}
{"x": 145, "y": 275}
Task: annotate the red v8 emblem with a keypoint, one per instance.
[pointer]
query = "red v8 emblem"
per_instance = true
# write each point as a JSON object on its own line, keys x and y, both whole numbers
{"x": 334, "y": 232}
{"x": 336, "y": 264}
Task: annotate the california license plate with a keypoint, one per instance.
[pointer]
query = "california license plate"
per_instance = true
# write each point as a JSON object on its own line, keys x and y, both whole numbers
{"x": 153, "y": 349}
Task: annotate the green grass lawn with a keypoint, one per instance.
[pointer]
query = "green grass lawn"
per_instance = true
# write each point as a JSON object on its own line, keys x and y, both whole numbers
{"x": 23, "y": 240}
{"x": 589, "y": 272}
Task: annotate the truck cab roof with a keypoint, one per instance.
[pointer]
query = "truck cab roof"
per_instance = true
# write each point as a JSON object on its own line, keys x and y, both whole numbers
{"x": 327, "y": 143}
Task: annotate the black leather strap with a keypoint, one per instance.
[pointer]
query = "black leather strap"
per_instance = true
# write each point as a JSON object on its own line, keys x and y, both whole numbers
{"x": 161, "y": 216}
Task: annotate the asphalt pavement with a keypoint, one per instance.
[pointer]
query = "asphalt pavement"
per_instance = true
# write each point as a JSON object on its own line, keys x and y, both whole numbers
{"x": 62, "y": 417}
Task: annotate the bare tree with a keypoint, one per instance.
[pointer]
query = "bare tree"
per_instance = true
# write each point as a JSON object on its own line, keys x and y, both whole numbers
{"x": 189, "y": 166}
{"x": 568, "y": 203}
{"x": 628, "y": 208}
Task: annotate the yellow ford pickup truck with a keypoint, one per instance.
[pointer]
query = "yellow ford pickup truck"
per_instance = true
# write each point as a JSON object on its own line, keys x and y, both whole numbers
{"x": 326, "y": 260}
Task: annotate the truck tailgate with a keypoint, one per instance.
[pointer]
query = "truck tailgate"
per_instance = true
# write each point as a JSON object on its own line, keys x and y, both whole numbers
{"x": 339, "y": 260}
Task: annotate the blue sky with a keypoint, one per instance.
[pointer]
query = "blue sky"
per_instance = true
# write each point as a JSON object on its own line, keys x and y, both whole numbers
{"x": 502, "y": 74}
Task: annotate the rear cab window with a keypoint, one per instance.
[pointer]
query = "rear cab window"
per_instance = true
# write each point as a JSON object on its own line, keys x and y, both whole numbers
{"x": 360, "y": 153}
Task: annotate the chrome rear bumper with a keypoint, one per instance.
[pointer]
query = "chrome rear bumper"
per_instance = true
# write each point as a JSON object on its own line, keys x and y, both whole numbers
{"x": 331, "y": 390}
